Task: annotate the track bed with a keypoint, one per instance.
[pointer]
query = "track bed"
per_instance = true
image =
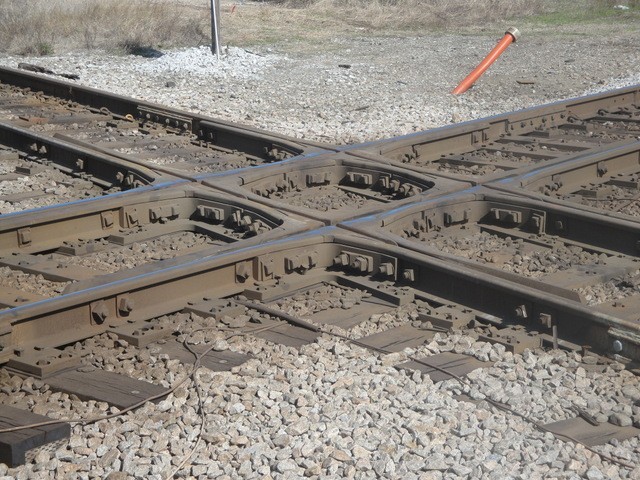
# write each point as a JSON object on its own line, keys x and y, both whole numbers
{"x": 330, "y": 188}
{"x": 156, "y": 136}
{"x": 504, "y": 145}
{"x": 605, "y": 183}
{"x": 185, "y": 274}
{"x": 590, "y": 258}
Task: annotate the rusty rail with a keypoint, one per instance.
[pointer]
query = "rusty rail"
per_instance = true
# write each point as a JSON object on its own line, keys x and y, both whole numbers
{"x": 255, "y": 232}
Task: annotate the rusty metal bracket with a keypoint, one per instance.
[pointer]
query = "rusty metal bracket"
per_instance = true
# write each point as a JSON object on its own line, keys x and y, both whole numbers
{"x": 354, "y": 262}
{"x": 141, "y": 333}
{"x": 169, "y": 119}
{"x": 507, "y": 215}
{"x": 42, "y": 362}
{"x": 447, "y": 316}
{"x": 214, "y": 307}
{"x": 515, "y": 339}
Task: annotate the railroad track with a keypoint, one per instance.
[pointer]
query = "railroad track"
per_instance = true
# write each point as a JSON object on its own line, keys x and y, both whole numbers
{"x": 132, "y": 227}
{"x": 170, "y": 140}
{"x": 511, "y": 144}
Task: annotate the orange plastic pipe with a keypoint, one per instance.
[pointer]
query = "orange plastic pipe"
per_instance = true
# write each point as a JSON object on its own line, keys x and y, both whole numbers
{"x": 510, "y": 36}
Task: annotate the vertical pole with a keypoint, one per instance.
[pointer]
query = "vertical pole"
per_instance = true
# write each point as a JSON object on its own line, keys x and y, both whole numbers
{"x": 215, "y": 28}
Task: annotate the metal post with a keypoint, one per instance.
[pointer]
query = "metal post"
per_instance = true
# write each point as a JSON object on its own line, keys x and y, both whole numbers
{"x": 215, "y": 28}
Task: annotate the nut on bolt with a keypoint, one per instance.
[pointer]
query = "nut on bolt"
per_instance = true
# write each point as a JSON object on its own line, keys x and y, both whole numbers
{"x": 245, "y": 221}
{"x": 409, "y": 275}
{"x": 99, "y": 312}
{"x": 617, "y": 346}
{"x": 342, "y": 259}
{"x": 545, "y": 320}
{"x": 360, "y": 263}
{"x": 126, "y": 305}
{"x": 253, "y": 227}
{"x": 386, "y": 268}
{"x": 521, "y": 311}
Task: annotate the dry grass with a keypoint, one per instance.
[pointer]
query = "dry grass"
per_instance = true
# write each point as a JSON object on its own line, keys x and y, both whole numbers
{"x": 43, "y": 27}
{"x": 416, "y": 14}
{"x": 313, "y": 21}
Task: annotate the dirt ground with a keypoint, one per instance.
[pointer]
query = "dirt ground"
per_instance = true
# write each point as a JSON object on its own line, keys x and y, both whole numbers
{"x": 349, "y": 89}
{"x": 310, "y": 74}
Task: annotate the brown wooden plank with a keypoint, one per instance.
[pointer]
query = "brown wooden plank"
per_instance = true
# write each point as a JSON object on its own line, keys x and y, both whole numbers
{"x": 579, "y": 428}
{"x": 94, "y": 384}
{"x": 284, "y": 334}
{"x": 141, "y": 334}
{"x": 49, "y": 269}
{"x": 457, "y": 363}
{"x": 351, "y": 317}
{"x": 12, "y": 297}
{"x": 627, "y": 307}
{"x": 589, "y": 434}
{"x": 15, "y": 447}
{"x": 21, "y": 196}
{"x": 398, "y": 338}
{"x": 9, "y": 177}
{"x": 577, "y": 277}
{"x": 7, "y": 156}
{"x": 216, "y": 361}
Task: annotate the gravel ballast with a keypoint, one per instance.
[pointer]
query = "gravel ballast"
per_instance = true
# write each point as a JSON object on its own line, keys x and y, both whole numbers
{"x": 352, "y": 90}
{"x": 333, "y": 410}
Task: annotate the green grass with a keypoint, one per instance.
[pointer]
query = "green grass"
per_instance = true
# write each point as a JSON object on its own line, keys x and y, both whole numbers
{"x": 597, "y": 12}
